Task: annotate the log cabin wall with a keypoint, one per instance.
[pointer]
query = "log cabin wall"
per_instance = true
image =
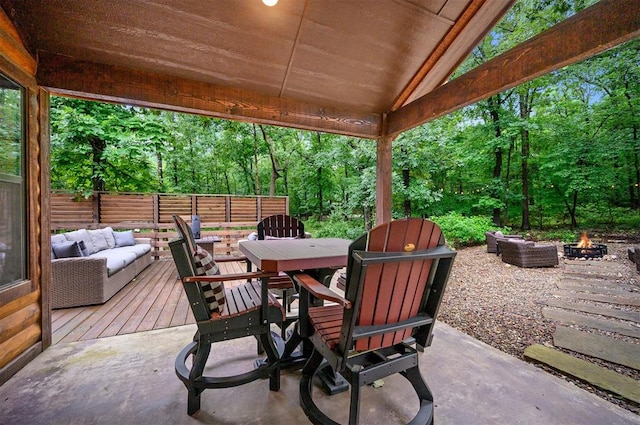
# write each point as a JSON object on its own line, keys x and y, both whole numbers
{"x": 25, "y": 324}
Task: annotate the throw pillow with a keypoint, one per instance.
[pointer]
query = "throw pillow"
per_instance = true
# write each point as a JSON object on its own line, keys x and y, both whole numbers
{"x": 108, "y": 236}
{"x": 66, "y": 249}
{"x": 498, "y": 234}
{"x": 98, "y": 240}
{"x": 83, "y": 249}
{"x": 124, "y": 238}
{"x": 56, "y": 239}
{"x": 213, "y": 291}
{"x": 81, "y": 235}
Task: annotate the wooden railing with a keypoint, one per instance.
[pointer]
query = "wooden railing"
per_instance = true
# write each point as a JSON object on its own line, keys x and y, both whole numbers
{"x": 229, "y": 217}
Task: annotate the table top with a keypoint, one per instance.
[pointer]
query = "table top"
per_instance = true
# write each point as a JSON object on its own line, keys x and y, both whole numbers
{"x": 209, "y": 239}
{"x": 277, "y": 255}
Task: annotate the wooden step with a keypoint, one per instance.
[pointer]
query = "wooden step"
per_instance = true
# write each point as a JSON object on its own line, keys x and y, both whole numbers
{"x": 631, "y": 316}
{"x": 594, "y": 345}
{"x": 601, "y": 287}
{"x": 630, "y": 299}
{"x": 575, "y": 318}
{"x": 595, "y": 375}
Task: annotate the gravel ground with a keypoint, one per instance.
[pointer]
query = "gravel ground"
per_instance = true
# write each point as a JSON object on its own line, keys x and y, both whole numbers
{"x": 497, "y": 303}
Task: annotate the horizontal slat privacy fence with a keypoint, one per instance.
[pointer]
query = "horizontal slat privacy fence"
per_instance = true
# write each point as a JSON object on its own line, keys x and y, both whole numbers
{"x": 229, "y": 217}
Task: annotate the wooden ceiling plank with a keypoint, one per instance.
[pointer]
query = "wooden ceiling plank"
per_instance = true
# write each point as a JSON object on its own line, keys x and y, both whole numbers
{"x": 600, "y": 27}
{"x": 93, "y": 81}
{"x": 437, "y": 53}
{"x": 12, "y": 46}
{"x": 462, "y": 46}
{"x": 294, "y": 48}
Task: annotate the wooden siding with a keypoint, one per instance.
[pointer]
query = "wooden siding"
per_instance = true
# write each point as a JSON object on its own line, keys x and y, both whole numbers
{"x": 231, "y": 218}
{"x": 212, "y": 208}
{"x": 244, "y": 209}
{"x": 117, "y": 208}
{"x": 70, "y": 211}
{"x": 24, "y": 324}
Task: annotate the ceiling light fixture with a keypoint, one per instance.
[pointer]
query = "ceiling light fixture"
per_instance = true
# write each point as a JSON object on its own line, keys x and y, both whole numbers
{"x": 270, "y": 3}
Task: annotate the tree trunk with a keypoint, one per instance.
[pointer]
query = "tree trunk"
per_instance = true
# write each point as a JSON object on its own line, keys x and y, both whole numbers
{"x": 507, "y": 181}
{"x": 636, "y": 164}
{"x": 160, "y": 170}
{"x": 525, "y": 101}
{"x": 493, "y": 103}
{"x": 256, "y": 175}
{"x": 406, "y": 177}
{"x": 275, "y": 166}
{"x": 571, "y": 208}
{"x": 319, "y": 182}
{"x": 98, "y": 147}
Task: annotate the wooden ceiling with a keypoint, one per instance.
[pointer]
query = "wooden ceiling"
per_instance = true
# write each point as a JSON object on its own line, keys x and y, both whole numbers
{"x": 366, "y": 68}
{"x": 340, "y": 60}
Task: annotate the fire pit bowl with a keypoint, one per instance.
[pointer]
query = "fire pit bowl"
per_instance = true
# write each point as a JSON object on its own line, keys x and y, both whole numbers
{"x": 596, "y": 250}
{"x": 585, "y": 248}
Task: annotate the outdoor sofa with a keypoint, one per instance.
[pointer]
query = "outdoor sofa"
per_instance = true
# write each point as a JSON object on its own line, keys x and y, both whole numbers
{"x": 523, "y": 253}
{"x": 492, "y": 236}
{"x": 91, "y": 266}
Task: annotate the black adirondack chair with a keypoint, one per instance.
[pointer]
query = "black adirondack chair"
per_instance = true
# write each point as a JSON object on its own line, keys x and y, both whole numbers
{"x": 396, "y": 276}
{"x": 282, "y": 226}
{"x": 243, "y": 313}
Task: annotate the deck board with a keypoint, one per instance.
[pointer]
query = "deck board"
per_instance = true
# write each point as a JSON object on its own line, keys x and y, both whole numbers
{"x": 154, "y": 300}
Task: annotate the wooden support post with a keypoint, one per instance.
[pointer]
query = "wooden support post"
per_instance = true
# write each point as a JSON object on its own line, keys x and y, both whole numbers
{"x": 383, "y": 179}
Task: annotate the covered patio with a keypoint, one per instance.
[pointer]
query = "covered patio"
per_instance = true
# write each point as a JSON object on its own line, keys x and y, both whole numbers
{"x": 130, "y": 379}
{"x": 329, "y": 66}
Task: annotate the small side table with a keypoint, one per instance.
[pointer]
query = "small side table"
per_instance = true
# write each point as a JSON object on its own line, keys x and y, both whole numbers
{"x": 207, "y": 243}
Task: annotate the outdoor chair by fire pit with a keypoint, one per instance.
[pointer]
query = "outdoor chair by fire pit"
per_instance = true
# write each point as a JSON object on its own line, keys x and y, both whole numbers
{"x": 492, "y": 236}
{"x": 523, "y": 253}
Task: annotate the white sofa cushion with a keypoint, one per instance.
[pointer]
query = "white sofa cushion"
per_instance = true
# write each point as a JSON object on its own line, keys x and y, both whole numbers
{"x": 81, "y": 235}
{"x": 98, "y": 240}
{"x": 108, "y": 235}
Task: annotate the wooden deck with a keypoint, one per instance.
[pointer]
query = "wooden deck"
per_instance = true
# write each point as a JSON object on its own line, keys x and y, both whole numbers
{"x": 154, "y": 300}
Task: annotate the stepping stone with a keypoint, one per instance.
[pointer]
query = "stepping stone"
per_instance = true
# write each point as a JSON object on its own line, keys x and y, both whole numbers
{"x": 631, "y": 316}
{"x": 603, "y": 265}
{"x": 631, "y": 299}
{"x": 620, "y": 290}
{"x": 597, "y": 376}
{"x": 602, "y": 347}
{"x": 595, "y": 282}
{"x": 592, "y": 274}
{"x": 573, "y": 318}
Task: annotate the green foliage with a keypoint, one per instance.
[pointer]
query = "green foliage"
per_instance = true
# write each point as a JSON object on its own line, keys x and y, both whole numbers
{"x": 461, "y": 231}
{"x": 335, "y": 227}
{"x": 580, "y": 126}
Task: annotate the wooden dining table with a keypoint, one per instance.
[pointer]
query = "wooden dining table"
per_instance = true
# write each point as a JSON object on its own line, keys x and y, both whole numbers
{"x": 319, "y": 257}
{"x": 294, "y": 255}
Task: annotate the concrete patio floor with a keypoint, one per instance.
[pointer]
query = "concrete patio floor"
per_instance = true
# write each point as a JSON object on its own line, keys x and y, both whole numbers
{"x": 130, "y": 379}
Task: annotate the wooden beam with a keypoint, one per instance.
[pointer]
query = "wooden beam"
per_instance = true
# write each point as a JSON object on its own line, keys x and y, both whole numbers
{"x": 592, "y": 31}
{"x": 383, "y": 179}
{"x": 11, "y": 46}
{"x": 459, "y": 25}
{"x": 93, "y": 81}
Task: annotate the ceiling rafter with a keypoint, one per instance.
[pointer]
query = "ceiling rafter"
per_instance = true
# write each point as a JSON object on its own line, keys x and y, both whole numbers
{"x": 582, "y": 36}
{"x": 442, "y": 47}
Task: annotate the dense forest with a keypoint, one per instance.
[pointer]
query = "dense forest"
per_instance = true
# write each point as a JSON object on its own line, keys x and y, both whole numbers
{"x": 560, "y": 151}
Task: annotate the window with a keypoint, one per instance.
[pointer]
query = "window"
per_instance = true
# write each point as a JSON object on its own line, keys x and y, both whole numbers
{"x": 13, "y": 258}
